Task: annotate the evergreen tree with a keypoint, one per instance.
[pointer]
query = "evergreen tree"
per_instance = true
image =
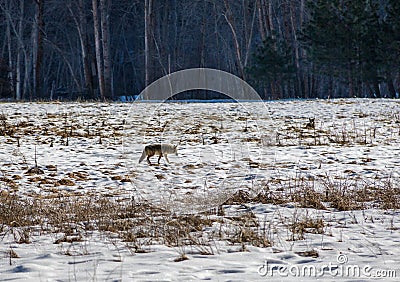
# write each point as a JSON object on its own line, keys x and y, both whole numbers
{"x": 391, "y": 40}
{"x": 348, "y": 39}
{"x": 324, "y": 37}
{"x": 273, "y": 64}
{"x": 369, "y": 31}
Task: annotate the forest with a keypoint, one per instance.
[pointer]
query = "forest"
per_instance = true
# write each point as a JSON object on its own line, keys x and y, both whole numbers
{"x": 285, "y": 49}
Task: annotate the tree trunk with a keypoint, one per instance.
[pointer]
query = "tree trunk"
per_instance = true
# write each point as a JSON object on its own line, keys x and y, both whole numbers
{"x": 83, "y": 37}
{"x": 217, "y": 37}
{"x": 261, "y": 22}
{"x": 27, "y": 90}
{"x": 270, "y": 20}
{"x": 21, "y": 48}
{"x": 229, "y": 20}
{"x": 37, "y": 48}
{"x": 105, "y": 33}
{"x": 296, "y": 47}
{"x": 147, "y": 32}
{"x": 266, "y": 30}
{"x": 250, "y": 32}
{"x": 10, "y": 75}
{"x": 18, "y": 82}
{"x": 34, "y": 58}
{"x": 202, "y": 62}
{"x": 391, "y": 88}
{"x": 97, "y": 38}
{"x": 377, "y": 89}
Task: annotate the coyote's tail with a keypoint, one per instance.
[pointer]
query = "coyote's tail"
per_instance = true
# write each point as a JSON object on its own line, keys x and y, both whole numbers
{"x": 142, "y": 156}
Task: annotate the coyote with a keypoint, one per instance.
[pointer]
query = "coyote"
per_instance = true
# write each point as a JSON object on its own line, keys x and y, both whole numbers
{"x": 158, "y": 149}
{"x": 310, "y": 124}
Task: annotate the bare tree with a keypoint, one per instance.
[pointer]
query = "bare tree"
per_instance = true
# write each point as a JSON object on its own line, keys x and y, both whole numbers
{"x": 81, "y": 24}
{"x": 118, "y": 47}
{"x": 230, "y": 20}
{"x": 148, "y": 5}
{"x": 16, "y": 29}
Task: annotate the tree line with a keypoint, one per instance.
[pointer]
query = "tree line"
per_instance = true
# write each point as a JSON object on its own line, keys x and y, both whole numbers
{"x": 102, "y": 49}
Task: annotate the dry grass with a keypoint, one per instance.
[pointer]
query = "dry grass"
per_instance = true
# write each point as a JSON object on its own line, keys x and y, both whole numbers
{"x": 72, "y": 218}
{"x": 300, "y": 227}
{"x": 326, "y": 193}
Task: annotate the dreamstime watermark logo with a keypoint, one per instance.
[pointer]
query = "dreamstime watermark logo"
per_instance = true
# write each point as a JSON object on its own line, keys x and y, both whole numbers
{"x": 217, "y": 143}
{"x": 341, "y": 268}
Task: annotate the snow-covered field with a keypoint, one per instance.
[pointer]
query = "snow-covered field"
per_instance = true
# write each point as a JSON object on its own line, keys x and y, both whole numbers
{"x": 257, "y": 191}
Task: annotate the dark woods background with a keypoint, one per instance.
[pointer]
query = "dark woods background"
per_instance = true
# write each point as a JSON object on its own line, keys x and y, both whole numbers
{"x": 102, "y": 49}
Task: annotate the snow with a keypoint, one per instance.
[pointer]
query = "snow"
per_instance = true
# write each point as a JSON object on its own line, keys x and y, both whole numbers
{"x": 222, "y": 148}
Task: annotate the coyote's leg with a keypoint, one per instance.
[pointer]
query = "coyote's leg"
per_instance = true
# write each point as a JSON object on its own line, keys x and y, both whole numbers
{"x": 159, "y": 158}
{"x": 148, "y": 160}
{"x": 165, "y": 156}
